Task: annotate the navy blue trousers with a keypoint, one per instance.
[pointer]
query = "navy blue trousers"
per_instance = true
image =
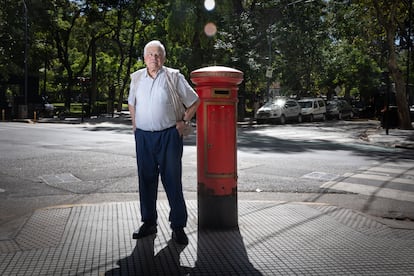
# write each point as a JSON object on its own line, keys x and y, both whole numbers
{"x": 159, "y": 153}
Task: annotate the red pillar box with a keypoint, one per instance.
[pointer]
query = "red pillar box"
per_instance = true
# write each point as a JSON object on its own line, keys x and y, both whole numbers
{"x": 217, "y": 146}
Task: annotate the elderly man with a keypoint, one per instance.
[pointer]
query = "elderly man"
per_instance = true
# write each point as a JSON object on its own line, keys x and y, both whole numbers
{"x": 159, "y": 138}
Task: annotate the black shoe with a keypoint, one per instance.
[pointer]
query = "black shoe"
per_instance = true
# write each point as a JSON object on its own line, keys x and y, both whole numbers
{"x": 179, "y": 236}
{"x": 144, "y": 231}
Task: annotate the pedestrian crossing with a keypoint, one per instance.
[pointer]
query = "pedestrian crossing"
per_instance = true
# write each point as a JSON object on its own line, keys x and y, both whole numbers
{"x": 394, "y": 180}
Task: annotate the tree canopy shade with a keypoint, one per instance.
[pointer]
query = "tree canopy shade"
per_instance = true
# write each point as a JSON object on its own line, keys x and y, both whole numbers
{"x": 312, "y": 47}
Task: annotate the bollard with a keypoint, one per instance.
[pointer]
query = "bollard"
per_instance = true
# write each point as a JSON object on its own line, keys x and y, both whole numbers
{"x": 34, "y": 116}
{"x": 3, "y": 115}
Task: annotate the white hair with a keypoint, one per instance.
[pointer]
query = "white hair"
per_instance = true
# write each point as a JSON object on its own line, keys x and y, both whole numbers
{"x": 156, "y": 43}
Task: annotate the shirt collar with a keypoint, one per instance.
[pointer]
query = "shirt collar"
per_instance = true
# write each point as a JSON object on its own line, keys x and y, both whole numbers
{"x": 162, "y": 69}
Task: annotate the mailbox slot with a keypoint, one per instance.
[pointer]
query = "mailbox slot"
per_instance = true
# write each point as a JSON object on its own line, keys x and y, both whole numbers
{"x": 221, "y": 93}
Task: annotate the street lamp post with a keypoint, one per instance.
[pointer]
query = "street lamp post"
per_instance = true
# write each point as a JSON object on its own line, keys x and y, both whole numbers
{"x": 409, "y": 48}
{"x": 83, "y": 82}
{"x": 269, "y": 71}
{"x": 45, "y": 70}
{"x": 44, "y": 79}
{"x": 25, "y": 56}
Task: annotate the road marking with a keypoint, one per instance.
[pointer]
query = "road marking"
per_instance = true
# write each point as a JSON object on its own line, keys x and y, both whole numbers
{"x": 406, "y": 164}
{"x": 384, "y": 178}
{"x": 370, "y": 190}
{"x": 387, "y": 174}
{"x": 2, "y": 191}
{"x": 383, "y": 169}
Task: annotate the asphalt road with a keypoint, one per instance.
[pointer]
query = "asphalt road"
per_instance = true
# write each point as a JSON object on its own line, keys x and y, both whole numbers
{"x": 44, "y": 164}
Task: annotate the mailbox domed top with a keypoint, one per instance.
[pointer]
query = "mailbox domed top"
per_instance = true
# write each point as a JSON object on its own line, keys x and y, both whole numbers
{"x": 217, "y": 74}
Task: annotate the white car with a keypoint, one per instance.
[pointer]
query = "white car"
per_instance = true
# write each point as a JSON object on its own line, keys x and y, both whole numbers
{"x": 313, "y": 108}
{"x": 279, "y": 110}
{"x": 339, "y": 109}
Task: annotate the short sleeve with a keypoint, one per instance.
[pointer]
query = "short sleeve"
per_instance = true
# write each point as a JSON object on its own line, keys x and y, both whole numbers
{"x": 187, "y": 93}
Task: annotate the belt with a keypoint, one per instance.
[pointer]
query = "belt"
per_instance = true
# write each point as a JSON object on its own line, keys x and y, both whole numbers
{"x": 168, "y": 128}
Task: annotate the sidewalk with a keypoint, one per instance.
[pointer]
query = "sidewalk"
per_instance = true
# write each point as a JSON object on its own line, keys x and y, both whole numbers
{"x": 397, "y": 138}
{"x": 273, "y": 238}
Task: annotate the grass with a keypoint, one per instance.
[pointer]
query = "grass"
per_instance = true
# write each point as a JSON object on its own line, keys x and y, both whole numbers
{"x": 76, "y": 108}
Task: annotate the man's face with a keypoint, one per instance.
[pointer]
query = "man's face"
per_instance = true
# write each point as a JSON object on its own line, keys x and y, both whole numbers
{"x": 154, "y": 58}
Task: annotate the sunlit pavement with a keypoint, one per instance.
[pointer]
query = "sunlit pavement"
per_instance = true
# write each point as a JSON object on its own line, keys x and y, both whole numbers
{"x": 273, "y": 238}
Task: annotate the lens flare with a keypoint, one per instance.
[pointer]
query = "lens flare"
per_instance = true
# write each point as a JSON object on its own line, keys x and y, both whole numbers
{"x": 210, "y": 29}
{"x": 209, "y": 4}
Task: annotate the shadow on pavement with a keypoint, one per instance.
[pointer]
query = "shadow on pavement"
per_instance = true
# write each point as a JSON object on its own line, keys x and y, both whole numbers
{"x": 143, "y": 262}
{"x": 222, "y": 251}
{"x": 217, "y": 252}
{"x": 249, "y": 138}
{"x": 261, "y": 143}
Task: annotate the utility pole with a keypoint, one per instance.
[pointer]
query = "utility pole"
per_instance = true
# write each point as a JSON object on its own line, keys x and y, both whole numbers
{"x": 269, "y": 71}
{"x": 26, "y": 48}
{"x": 409, "y": 48}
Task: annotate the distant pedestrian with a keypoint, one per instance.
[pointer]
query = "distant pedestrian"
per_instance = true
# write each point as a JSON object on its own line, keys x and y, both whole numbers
{"x": 159, "y": 138}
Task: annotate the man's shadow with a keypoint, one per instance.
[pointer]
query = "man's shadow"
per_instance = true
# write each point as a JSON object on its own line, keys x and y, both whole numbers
{"x": 221, "y": 252}
{"x": 143, "y": 262}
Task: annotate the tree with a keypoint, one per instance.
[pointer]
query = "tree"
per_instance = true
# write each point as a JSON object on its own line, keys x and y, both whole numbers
{"x": 352, "y": 62}
{"x": 391, "y": 16}
{"x": 69, "y": 39}
{"x": 11, "y": 42}
{"x": 312, "y": 46}
{"x": 352, "y": 59}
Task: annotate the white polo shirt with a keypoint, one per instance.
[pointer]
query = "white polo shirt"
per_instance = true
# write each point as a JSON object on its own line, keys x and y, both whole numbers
{"x": 154, "y": 110}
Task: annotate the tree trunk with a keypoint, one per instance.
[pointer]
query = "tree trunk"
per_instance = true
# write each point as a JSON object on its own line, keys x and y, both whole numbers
{"x": 400, "y": 88}
{"x": 386, "y": 14}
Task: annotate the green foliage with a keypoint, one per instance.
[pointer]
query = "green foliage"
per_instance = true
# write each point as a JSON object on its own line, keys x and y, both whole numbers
{"x": 311, "y": 46}
{"x": 181, "y": 22}
{"x": 12, "y": 32}
{"x": 301, "y": 40}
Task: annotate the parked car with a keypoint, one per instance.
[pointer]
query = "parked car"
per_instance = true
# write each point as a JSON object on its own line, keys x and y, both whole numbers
{"x": 313, "y": 109}
{"x": 361, "y": 110}
{"x": 279, "y": 110}
{"x": 339, "y": 109}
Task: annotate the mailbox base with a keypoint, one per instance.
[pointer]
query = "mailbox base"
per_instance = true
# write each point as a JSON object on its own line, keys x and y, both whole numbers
{"x": 217, "y": 212}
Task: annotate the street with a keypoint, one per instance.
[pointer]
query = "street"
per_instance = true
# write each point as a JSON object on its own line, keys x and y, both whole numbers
{"x": 43, "y": 165}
